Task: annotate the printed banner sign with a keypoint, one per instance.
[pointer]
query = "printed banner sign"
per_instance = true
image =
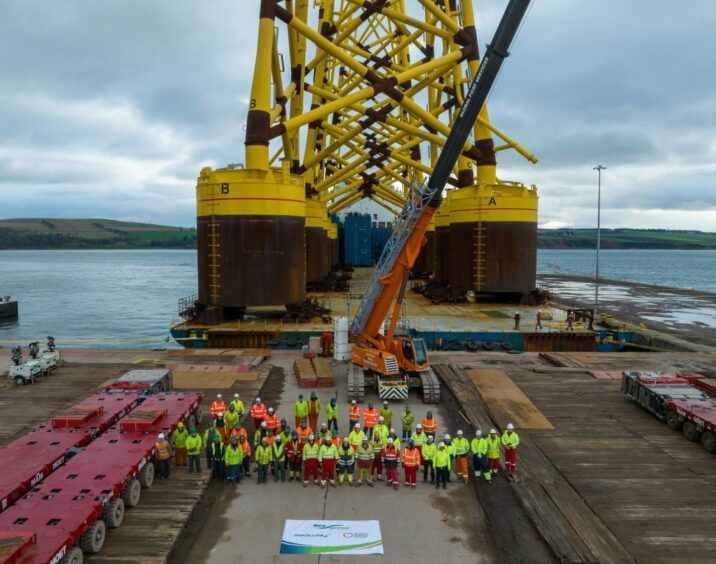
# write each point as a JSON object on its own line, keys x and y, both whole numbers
{"x": 331, "y": 537}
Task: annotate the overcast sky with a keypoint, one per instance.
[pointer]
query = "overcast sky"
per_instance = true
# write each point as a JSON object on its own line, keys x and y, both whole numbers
{"x": 109, "y": 108}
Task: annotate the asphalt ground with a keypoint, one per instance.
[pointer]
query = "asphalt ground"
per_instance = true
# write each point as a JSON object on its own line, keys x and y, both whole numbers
{"x": 466, "y": 523}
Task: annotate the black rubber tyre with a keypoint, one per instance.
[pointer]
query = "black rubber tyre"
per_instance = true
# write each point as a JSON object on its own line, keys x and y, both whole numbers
{"x": 146, "y": 475}
{"x": 506, "y": 346}
{"x": 132, "y": 493}
{"x": 113, "y": 513}
{"x": 708, "y": 441}
{"x": 454, "y": 346}
{"x": 690, "y": 431}
{"x": 74, "y": 556}
{"x": 92, "y": 539}
{"x": 19, "y": 380}
{"x": 672, "y": 421}
{"x": 472, "y": 346}
{"x": 488, "y": 345}
{"x": 198, "y": 414}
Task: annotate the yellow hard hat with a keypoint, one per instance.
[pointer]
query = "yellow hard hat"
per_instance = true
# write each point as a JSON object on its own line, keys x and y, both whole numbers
{"x": 181, "y": 425}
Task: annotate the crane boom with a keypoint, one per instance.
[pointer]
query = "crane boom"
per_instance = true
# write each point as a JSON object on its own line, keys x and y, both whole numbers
{"x": 402, "y": 249}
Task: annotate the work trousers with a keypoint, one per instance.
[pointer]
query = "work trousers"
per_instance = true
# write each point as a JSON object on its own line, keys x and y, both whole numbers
{"x": 279, "y": 470}
{"x": 391, "y": 475}
{"x": 480, "y": 465}
{"x": 352, "y": 424}
{"x": 297, "y": 421}
{"x": 310, "y": 467}
{"x": 333, "y": 424}
{"x": 364, "y": 474}
{"x": 493, "y": 464}
{"x": 510, "y": 460}
{"x": 411, "y": 475}
{"x": 180, "y": 457}
{"x": 346, "y": 470}
{"x": 377, "y": 467}
{"x": 329, "y": 469}
{"x": 313, "y": 421}
{"x": 257, "y": 423}
{"x": 217, "y": 466}
{"x": 442, "y": 474}
{"x": 246, "y": 465}
{"x": 233, "y": 472}
{"x": 461, "y": 467}
{"x": 194, "y": 460}
{"x": 163, "y": 468}
{"x": 369, "y": 432}
{"x": 295, "y": 467}
{"x": 427, "y": 466}
{"x": 208, "y": 458}
{"x": 407, "y": 433}
{"x": 262, "y": 473}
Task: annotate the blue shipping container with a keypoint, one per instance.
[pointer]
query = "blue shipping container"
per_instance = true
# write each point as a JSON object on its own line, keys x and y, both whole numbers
{"x": 379, "y": 237}
{"x": 357, "y": 240}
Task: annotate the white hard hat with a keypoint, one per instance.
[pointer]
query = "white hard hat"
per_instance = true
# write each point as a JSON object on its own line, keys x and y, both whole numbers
{"x": 510, "y": 426}
{"x": 441, "y": 444}
{"x": 263, "y": 424}
{"x": 459, "y": 432}
{"x": 381, "y": 418}
{"x": 258, "y": 399}
{"x": 324, "y": 424}
{"x": 478, "y": 433}
{"x": 385, "y": 402}
{"x": 493, "y": 431}
{"x": 353, "y": 401}
{"x": 356, "y": 426}
{"x": 236, "y": 395}
{"x": 447, "y": 436}
{"x": 431, "y": 438}
{"x": 221, "y": 414}
{"x": 218, "y": 396}
{"x": 311, "y": 437}
{"x": 517, "y": 312}
{"x": 539, "y": 311}
{"x": 161, "y": 435}
{"x": 419, "y": 426}
{"x": 392, "y": 430}
{"x": 270, "y": 409}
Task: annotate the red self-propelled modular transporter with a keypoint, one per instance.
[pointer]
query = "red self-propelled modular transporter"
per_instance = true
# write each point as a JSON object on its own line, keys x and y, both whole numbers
{"x": 67, "y": 515}
{"x": 27, "y": 461}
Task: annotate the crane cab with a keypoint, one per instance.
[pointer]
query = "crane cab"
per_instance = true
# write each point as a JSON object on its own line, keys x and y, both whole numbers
{"x": 412, "y": 354}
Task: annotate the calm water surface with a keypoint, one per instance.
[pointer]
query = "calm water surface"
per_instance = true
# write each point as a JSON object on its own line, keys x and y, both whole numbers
{"x": 129, "y": 298}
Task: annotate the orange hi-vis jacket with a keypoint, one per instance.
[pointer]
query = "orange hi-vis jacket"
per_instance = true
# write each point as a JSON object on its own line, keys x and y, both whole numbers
{"x": 371, "y": 417}
{"x": 246, "y": 448}
{"x": 163, "y": 452}
{"x": 430, "y": 426}
{"x": 411, "y": 457}
{"x": 303, "y": 435}
{"x": 272, "y": 422}
{"x": 354, "y": 413}
{"x": 238, "y": 432}
{"x": 258, "y": 411}
{"x": 218, "y": 406}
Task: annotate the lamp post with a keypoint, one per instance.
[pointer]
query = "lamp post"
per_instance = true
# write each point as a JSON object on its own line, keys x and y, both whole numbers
{"x": 599, "y": 169}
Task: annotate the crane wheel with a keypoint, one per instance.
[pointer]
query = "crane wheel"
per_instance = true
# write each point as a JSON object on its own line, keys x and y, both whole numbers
{"x": 672, "y": 421}
{"x": 708, "y": 441}
{"x": 92, "y": 540}
{"x": 74, "y": 556}
{"x": 114, "y": 513}
{"x": 690, "y": 431}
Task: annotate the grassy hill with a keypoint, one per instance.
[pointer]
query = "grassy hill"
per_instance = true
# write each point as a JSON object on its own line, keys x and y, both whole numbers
{"x": 625, "y": 239}
{"x": 48, "y": 233}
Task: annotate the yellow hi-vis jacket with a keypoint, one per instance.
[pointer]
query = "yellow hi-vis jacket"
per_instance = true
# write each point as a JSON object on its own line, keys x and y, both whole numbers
{"x": 233, "y": 455}
{"x": 510, "y": 441}
{"x": 441, "y": 459}
{"x": 429, "y": 450}
{"x": 419, "y": 439}
{"x": 329, "y": 452}
{"x": 355, "y": 438}
{"x": 193, "y": 445}
{"x": 479, "y": 446}
{"x": 460, "y": 446}
{"x": 493, "y": 447}
{"x": 310, "y": 451}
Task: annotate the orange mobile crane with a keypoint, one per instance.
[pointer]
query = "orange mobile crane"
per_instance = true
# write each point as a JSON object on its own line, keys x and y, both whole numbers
{"x": 395, "y": 363}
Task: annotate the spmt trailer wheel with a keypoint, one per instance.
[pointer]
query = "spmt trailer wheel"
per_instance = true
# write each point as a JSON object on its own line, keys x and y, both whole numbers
{"x": 74, "y": 556}
{"x": 708, "y": 441}
{"x": 114, "y": 513}
{"x": 19, "y": 380}
{"x": 146, "y": 476}
{"x": 92, "y": 539}
{"x": 690, "y": 431}
{"x": 673, "y": 421}
{"x": 132, "y": 493}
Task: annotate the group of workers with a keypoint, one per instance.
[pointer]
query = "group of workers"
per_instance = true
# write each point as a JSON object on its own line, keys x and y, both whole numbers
{"x": 539, "y": 316}
{"x": 316, "y": 452}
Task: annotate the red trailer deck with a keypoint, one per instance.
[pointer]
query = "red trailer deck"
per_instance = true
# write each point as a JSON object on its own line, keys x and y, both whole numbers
{"x": 27, "y": 461}
{"x": 696, "y": 419}
{"x": 63, "y": 513}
